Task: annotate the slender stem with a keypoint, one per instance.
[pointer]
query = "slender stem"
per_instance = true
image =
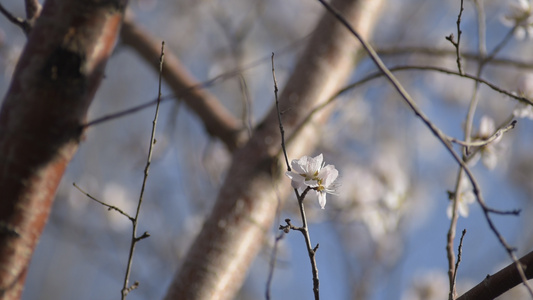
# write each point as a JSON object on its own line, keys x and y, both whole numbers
{"x": 311, "y": 251}
{"x": 272, "y": 265}
{"x": 459, "y": 255}
{"x": 110, "y": 207}
{"x": 23, "y": 24}
{"x": 281, "y": 130}
{"x": 134, "y": 239}
{"x": 304, "y": 229}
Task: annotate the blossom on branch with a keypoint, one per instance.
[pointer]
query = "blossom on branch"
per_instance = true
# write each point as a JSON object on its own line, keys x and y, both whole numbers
{"x": 311, "y": 172}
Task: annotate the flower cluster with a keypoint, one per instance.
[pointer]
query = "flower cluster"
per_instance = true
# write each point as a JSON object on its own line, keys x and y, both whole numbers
{"x": 310, "y": 172}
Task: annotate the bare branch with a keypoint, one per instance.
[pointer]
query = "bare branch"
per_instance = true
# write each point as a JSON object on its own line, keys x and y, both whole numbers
{"x": 504, "y": 62}
{"x": 454, "y": 274}
{"x": 273, "y": 259}
{"x": 109, "y": 207}
{"x": 502, "y": 281}
{"x": 457, "y": 43}
{"x": 487, "y": 141}
{"x": 20, "y": 22}
{"x": 134, "y": 239}
{"x": 281, "y": 130}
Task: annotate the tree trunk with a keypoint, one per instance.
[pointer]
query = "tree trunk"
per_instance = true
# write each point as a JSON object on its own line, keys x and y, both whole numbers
{"x": 54, "y": 82}
{"x": 232, "y": 235}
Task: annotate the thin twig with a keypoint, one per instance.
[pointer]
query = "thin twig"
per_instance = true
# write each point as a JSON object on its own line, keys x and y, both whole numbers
{"x": 281, "y": 130}
{"x": 487, "y": 141}
{"x": 500, "y": 45}
{"x": 304, "y": 229}
{"x": 459, "y": 254}
{"x": 377, "y": 75}
{"x": 436, "y": 131}
{"x": 504, "y": 62}
{"x": 20, "y": 22}
{"x": 110, "y": 207}
{"x": 474, "y": 99}
{"x": 450, "y": 236}
{"x": 456, "y": 44}
{"x": 134, "y": 239}
{"x": 310, "y": 249}
{"x": 273, "y": 259}
{"x": 236, "y": 37}
{"x": 451, "y": 72}
{"x": 129, "y": 111}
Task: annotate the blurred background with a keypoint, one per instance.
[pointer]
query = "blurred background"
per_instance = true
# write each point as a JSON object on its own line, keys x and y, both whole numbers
{"x": 382, "y": 237}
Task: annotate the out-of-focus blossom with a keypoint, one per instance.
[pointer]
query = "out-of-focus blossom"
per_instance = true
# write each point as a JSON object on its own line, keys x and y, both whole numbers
{"x": 464, "y": 199}
{"x": 432, "y": 285}
{"x": 525, "y": 89}
{"x": 375, "y": 196}
{"x": 523, "y": 110}
{"x": 490, "y": 152}
{"x": 311, "y": 172}
{"x": 521, "y": 17}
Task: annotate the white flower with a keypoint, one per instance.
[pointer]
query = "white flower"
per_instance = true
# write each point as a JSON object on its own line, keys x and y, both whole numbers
{"x": 520, "y": 16}
{"x": 311, "y": 172}
{"x": 465, "y": 198}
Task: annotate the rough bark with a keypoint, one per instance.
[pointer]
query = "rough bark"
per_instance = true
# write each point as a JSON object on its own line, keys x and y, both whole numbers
{"x": 232, "y": 235}
{"x": 54, "y": 82}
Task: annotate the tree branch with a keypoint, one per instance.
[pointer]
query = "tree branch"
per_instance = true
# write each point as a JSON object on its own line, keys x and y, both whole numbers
{"x": 503, "y": 62}
{"x": 217, "y": 120}
{"x": 502, "y": 281}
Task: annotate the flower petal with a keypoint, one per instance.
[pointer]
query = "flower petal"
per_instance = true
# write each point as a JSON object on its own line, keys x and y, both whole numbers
{"x": 297, "y": 181}
{"x": 315, "y": 164}
{"x": 322, "y": 199}
{"x": 328, "y": 175}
